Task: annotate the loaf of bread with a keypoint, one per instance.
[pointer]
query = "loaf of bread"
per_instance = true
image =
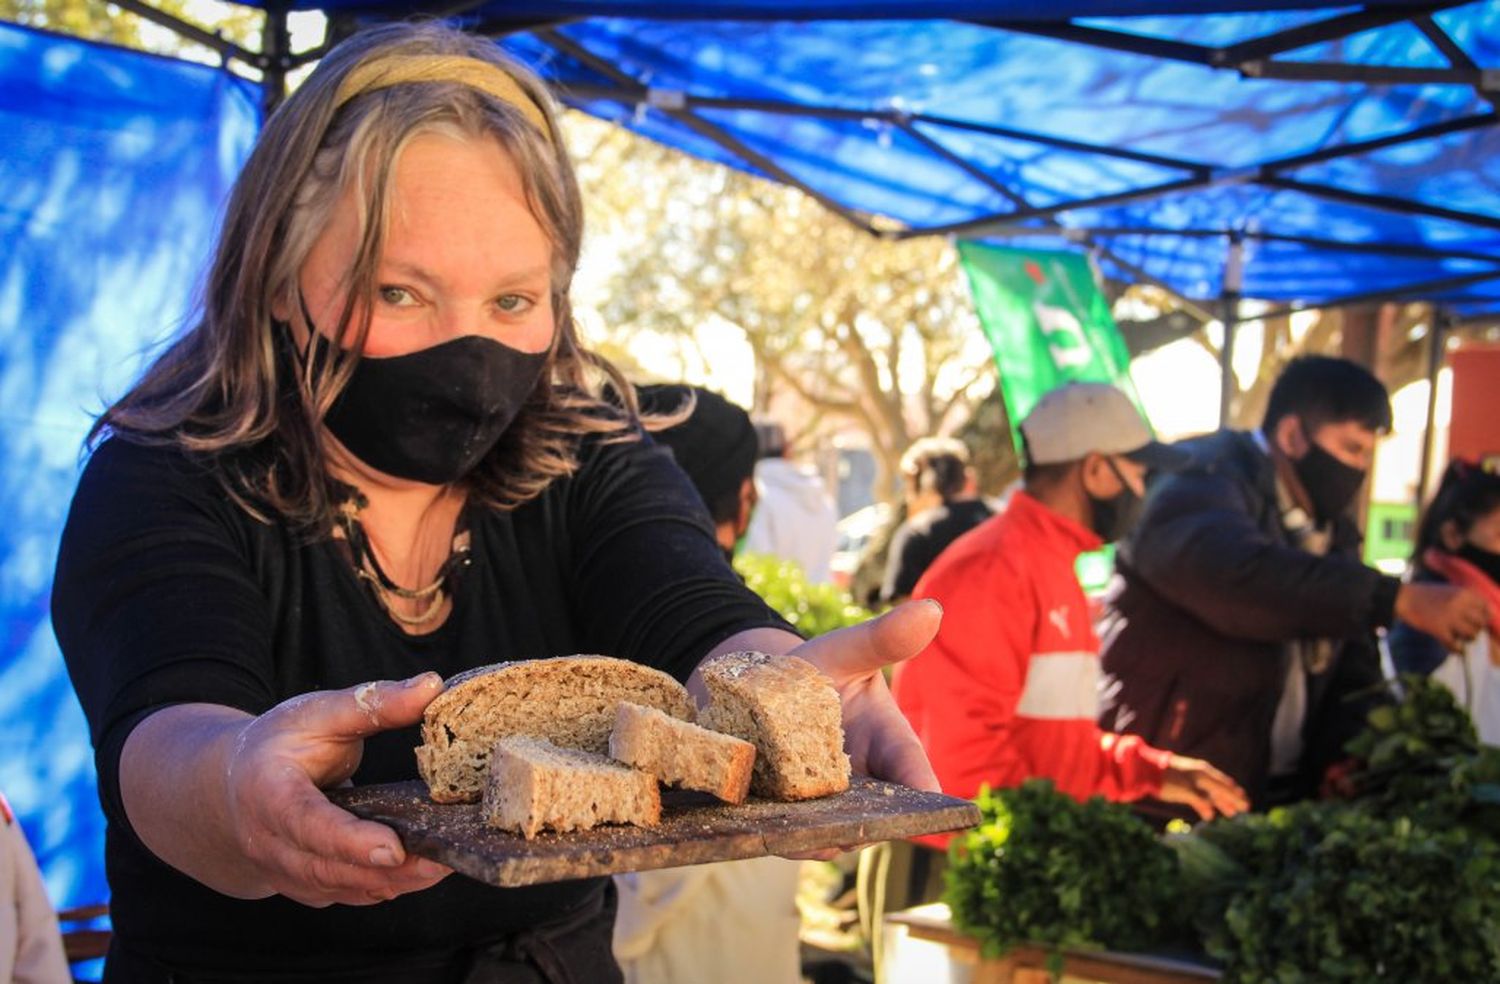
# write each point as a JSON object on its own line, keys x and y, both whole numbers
{"x": 682, "y": 754}
{"x": 569, "y": 700}
{"x": 789, "y": 712}
{"x": 533, "y": 785}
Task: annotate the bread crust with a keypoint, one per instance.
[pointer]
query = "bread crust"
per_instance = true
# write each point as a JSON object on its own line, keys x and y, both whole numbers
{"x": 682, "y": 754}
{"x": 790, "y": 712}
{"x": 568, "y": 700}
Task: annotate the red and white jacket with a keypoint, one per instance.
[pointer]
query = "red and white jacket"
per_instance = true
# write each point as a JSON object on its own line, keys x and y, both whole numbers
{"x": 1009, "y": 689}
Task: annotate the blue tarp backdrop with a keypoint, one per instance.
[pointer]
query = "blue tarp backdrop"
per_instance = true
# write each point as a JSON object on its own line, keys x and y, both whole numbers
{"x": 808, "y": 10}
{"x": 114, "y": 166}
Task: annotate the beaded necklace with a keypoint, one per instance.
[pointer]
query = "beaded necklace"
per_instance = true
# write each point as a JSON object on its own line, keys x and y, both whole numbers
{"x": 347, "y": 527}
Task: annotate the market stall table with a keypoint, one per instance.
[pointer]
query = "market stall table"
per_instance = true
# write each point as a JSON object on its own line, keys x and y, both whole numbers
{"x": 1028, "y": 964}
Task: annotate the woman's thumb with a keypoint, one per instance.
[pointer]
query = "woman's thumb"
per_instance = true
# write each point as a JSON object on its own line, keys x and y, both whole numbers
{"x": 369, "y": 708}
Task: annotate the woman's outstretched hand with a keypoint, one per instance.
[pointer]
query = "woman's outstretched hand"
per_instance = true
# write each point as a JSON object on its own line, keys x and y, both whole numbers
{"x": 253, "y": 820}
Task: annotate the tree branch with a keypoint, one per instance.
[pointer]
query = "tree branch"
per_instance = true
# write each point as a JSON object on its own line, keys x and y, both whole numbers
{"x": 832, "y": 404}
{"x": 961, "y": 394}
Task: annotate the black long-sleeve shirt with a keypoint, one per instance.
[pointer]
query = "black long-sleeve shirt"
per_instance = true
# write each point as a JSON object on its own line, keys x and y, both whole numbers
{"x": 168, "y": 592}
{"x": 921, "y": 539}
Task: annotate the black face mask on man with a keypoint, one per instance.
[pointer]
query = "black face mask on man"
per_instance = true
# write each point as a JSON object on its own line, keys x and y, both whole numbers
{"x": 1113, "y": 519}
{"x": 1487, "y": 561}
{"x": 1329, "y": 483}
{"x": 430, "y": 415}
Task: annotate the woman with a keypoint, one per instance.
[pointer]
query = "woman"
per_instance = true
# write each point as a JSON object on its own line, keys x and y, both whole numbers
{"x": 1458, "y": 541}
{"x": 380, "y": 456}
{"x": 941, "y": 506}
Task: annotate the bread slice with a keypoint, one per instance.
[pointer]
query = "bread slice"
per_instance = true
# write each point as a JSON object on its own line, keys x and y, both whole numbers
{"x": 534, "y": 785}
{"x": 569, "y": 700}
{"x": 682, "y": 754}
{"x": 789, "y": 712}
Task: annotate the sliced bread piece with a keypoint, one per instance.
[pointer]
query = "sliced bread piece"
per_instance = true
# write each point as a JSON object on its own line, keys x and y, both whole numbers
{"x": 569, "y": 700}
{"x": 534, "y": 785}
{"x": 789, "y": 712}
{"x": 682, "y": 754}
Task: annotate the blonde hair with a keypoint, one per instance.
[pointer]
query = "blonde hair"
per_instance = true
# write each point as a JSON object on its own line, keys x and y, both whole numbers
{"x": 226, "y": 389}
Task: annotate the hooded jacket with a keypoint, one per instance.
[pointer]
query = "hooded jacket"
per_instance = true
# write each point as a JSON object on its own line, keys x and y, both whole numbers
{"x": 1210, "y": 591}
{"x": 795, "y": 519}
{"x": 1008, "y": 690}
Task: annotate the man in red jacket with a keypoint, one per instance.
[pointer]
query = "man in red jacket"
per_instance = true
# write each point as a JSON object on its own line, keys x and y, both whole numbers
{"x": 1008, "y": 690}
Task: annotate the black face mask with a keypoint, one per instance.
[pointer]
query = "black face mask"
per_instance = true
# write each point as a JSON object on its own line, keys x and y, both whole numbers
{"x": 1330, "y": 484}
{"x": 1113, "y": 519}
{"x": 430, "y": 415}
{"x": 1486, "y": 560}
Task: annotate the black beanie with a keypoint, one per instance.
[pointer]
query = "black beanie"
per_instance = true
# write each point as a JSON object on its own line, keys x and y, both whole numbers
{"x": 715, "y": 445}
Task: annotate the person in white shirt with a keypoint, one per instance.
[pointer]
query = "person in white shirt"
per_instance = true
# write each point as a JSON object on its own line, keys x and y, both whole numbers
{"x": 795, "y": 519}
{"x": 31, "y": 949}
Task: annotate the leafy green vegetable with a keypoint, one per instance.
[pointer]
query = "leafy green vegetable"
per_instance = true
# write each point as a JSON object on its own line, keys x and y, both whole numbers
{"x": 1322, "y": 892}
{"x": 1043, "y": 868}
{"x": 1421, "y": 759}
{"x": 812, "y": 608}
{"x": 1399, "y": 883}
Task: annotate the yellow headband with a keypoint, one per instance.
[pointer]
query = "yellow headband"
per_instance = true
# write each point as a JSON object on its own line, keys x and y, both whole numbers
{"x": 472, "y": 72}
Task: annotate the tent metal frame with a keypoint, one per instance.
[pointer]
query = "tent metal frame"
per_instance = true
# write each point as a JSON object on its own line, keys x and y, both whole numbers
{"x": 192, "y": 32}
{"x": 1252, "y": 58}
{"x": 1197, "y": 175}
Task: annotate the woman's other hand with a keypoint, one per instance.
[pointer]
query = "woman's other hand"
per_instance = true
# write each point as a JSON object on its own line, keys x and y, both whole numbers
{"x": 236, "y": 801}
{"x": 877, "y": 736}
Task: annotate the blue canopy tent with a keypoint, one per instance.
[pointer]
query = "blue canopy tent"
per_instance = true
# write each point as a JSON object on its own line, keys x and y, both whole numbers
{"x": 1305, "y": 153}
{"x": 1291, "y": 150}
{"x": 1349, "y": 149}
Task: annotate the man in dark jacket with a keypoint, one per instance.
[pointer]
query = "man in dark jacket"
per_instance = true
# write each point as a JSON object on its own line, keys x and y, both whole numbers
{"x": 1242, "y": 620}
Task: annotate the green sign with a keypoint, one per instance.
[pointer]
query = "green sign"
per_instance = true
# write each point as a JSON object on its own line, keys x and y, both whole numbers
{"x": 1390, "y": 532}
{"x": 1047, "y": 322}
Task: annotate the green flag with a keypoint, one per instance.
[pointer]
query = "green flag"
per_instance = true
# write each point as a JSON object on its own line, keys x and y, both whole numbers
{"x": 1047, "y": 322}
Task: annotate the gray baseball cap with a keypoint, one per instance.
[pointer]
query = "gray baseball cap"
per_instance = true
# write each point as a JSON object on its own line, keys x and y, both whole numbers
{"x": 1077, "y": 419}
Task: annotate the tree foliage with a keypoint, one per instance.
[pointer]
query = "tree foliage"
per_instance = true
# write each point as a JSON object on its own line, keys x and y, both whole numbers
{"x": 813, "y": 609}
{"x": 97, "y": 21}
{"x": 856, "y": 329}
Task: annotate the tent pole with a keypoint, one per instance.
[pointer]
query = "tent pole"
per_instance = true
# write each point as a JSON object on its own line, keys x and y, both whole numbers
{"x": 1437, "y": 338}
{"x": 1229, "y": 316}
{"x": 276, "y": 47}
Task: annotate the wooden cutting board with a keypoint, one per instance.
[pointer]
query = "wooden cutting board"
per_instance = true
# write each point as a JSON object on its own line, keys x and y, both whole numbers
{"x": 695, "y": 828}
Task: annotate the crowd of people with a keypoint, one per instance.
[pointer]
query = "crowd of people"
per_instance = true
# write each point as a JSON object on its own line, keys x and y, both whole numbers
{"x": 1238, "y": 647}
{"x": 383, "y": 456}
